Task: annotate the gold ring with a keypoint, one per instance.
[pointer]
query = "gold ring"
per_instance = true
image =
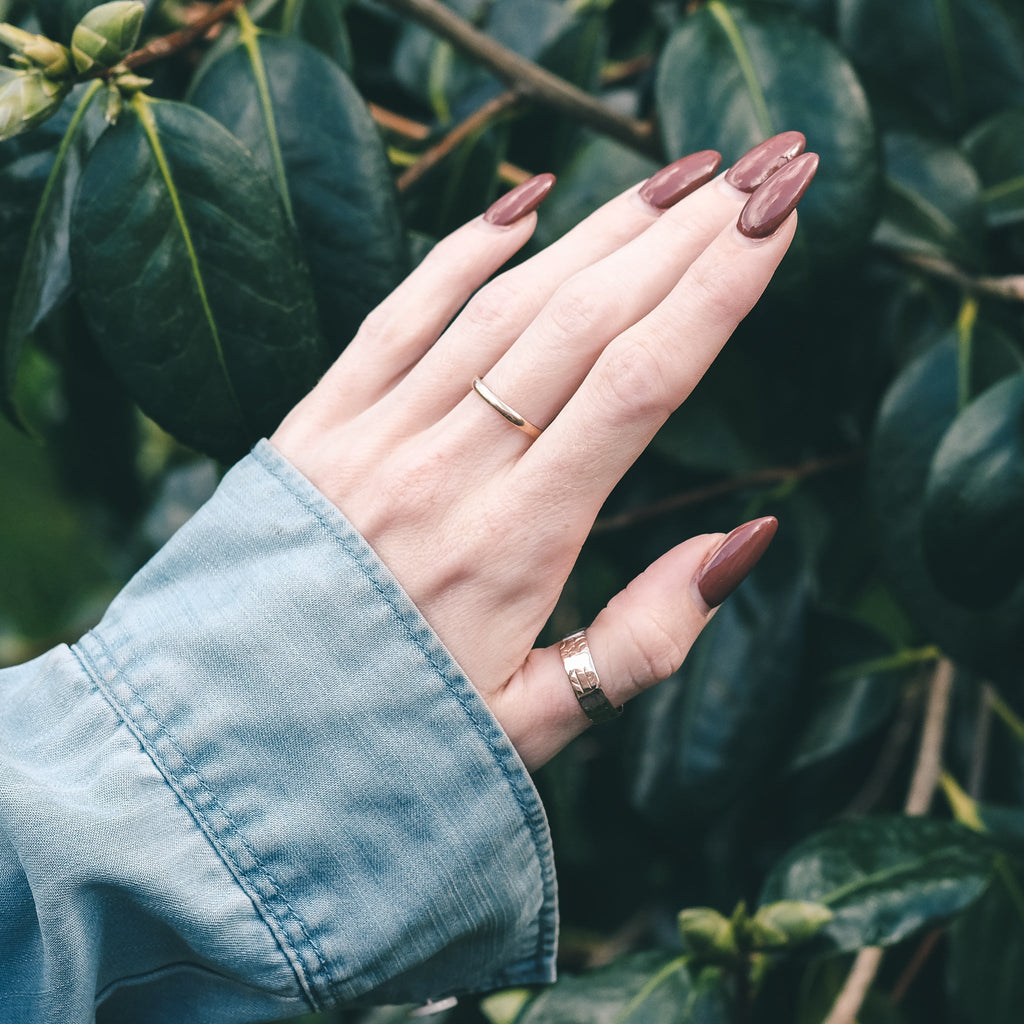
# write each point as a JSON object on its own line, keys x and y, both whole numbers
{"x": 579, "y": 667}
{"x": 507, "y": 411}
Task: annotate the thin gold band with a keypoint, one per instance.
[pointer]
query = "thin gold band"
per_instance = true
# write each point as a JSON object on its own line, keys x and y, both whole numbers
{"x": 507, "y": 411}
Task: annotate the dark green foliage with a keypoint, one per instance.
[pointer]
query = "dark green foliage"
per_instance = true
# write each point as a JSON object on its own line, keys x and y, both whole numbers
{"x": 204, "y": 258}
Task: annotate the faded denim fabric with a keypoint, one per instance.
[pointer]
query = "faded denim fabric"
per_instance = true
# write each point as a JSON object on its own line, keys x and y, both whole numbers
{"x": 261, "y": 786}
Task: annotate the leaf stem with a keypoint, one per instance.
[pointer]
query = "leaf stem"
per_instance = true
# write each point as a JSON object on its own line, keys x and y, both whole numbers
{"x": 1005, "y": 713}
{"x": 965, "y": 321}
{"x": 887, "y": 663}
{"x": 250, "y": 40}
{"x": 533, "y": 81}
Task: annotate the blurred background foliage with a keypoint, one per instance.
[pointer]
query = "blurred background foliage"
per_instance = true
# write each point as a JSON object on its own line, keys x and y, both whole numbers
{"x": 838, "y": 767}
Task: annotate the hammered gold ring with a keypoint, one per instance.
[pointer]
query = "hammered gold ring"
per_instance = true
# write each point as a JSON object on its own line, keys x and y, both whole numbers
{"x": 579, "y": 667}
{"x": 531, "y": 431}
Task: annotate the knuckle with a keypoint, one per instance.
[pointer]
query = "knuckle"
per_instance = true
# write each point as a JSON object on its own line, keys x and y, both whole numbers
{"x": 634, "y": 379}
{"x": 582, "y": 305}
{"x": 658, "y": 653}
{"x": 494, "y": 308}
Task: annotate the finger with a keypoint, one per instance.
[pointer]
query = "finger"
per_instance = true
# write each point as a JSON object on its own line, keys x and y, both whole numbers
{"x": 644, "y": 375}
{"x": 640, "y": 638}
{"x": 408, "y": 322}
{"x": 500, "y": 311}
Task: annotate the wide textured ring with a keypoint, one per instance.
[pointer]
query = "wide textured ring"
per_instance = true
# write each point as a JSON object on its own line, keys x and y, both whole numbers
{"x": 506, "y": 410}
{"x": 579, "y": 667}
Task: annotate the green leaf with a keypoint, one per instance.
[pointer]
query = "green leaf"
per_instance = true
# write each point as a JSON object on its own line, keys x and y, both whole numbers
{"x": 44, "y": 279}
{"x": 851, "y": 690}
{"x": 308, "y": 128}
{"x": 975, "y": 493}
{"x": 884, "y": 878}
{"x": 996, "y": 149}
{"x": 986, "y": 949}
{"x": 933, "y": 203}
{"x": 191, "y": 278}
{"x": 918, "y": 408}
{"x": 787, "y": 923}
{"x": 709, "y": 736}
{"x": 728, "y": 77}
{"x": 645, "y": 988}
{"x": 321, "y": 23}
{"x": 961, "y": 59}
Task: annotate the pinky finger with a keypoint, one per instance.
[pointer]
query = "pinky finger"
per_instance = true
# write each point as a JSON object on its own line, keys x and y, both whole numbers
{"x": 640, "y": 638}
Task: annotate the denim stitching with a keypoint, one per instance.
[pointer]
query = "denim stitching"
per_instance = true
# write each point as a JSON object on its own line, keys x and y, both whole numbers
{"x": 218, "y": 837}
{"x": 527, "y": 805}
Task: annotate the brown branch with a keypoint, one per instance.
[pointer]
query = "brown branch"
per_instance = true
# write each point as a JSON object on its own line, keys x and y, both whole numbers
{"x": 531, "y": 80}
{"x": 759, "y": 478}
{"x": 492, "y": 110}
{"x": 164, "y": 46}
{"x": 922, "y": 789}
{"x": 917, "y": 961}
{"x": 1009, "y": 288}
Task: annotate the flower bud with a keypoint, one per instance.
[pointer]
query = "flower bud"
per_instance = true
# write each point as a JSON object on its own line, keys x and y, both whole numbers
{"x": 787, "y": 923}
{"x": 26, "y": 99}
{"x": 54, "y": 59}
{"x": 107, "y": 34}
{"x": 707, "y": 935}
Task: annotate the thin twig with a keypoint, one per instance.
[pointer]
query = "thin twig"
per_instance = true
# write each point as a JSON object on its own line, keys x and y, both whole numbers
{"x": 919, "y": 797}
{"x": 758, "y": 478}
{"x": 1010, "y": 287}
{"x": 917, "y": 961}
{"x": 164, "y": 46}
{"x": 492, "y": 110}
{"x": 530, "y": 79}
{"x": 399, "y": 124}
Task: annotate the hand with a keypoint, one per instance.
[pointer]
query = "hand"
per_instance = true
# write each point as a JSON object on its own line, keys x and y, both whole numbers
{"x": 597, "y": 340}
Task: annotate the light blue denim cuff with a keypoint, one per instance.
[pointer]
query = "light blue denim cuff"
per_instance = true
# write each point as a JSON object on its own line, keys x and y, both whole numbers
{"x": 330, "y": 750}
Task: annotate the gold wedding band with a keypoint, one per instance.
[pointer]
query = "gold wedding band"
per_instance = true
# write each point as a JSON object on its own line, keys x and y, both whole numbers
{"x": 579, "y": 667}
{"x": 507, "y": 411}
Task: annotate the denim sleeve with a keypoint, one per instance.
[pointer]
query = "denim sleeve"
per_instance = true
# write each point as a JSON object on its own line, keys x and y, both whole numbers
{"x": 261, "y": 786}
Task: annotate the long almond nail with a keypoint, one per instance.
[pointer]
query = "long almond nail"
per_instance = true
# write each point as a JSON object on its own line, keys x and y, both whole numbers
{"x": 523, "y": 199}
{"x": 730, "y": 564}
{"x": 679, "y": 179}
{"x": 757, "y": 165}
{"x": 776, "y": 199}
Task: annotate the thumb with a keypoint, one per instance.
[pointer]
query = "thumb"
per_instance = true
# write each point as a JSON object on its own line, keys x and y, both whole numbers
{"x": 641, "y": 637}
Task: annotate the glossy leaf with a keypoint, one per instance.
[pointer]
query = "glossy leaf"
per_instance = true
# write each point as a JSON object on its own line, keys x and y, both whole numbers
{"x": 713, "y": 732}
{"x": 961, "y": 59}
{"x": 645, "y": 988}
{"x": 996, "y": 149}
{"x": 308, "y": 128}
{"x": 918, "y": 408}
{"x": 191, "y": 279}
{"x": 884, "y": 878}
{"x": 933, "y": 203}
{"x": 44, "y": 278}
{"x": 728, "y": 77}
{"x": 975, "y": 493}
{"x": 850, "y": 692}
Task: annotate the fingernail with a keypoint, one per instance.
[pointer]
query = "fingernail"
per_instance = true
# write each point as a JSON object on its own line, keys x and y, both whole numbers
{"x": 679, "y": 179}
{"x": 730, "y": 564}
{"x": 523, "y": 199}
{"x": 776, "y": 199}
{"x": 757, "y": 165}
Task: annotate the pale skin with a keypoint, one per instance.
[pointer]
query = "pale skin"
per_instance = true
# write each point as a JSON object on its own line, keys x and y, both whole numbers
{"x": 597, "y": 339}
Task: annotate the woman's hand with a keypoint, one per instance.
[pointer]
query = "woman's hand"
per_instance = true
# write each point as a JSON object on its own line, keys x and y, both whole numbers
{"x": 596, "y": 340}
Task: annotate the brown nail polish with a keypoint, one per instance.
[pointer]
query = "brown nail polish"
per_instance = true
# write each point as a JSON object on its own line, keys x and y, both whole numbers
{"x": 757, "y": 165}
{"x": 523, "y": 199}
{"x": 728, "y": 566}
{"x": 679, "y": 179}
{"x": 776, "y": 199}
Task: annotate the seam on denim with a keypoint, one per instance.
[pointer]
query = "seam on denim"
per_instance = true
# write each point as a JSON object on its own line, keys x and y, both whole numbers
{"x": 217, "y": 837}
{"x": 529, "y": 804}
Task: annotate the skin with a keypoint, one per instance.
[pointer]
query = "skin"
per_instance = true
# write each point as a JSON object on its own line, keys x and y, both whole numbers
{"x": 597, "y": 339}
